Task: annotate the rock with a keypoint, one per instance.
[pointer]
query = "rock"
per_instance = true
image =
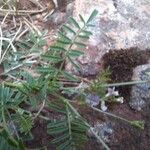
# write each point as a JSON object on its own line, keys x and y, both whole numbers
{"x": 140, "y": 93}
{"x": 60, "y": 13}
{"x": 92, "y": 99}
{"x": 88, "y": 63}
{"x": 103, "y": 130}
{"x": 123, "y": 25}
{"x": 88, "y": 70}
{"x": 57, "y": 18}
{"x": 120, "y": 24}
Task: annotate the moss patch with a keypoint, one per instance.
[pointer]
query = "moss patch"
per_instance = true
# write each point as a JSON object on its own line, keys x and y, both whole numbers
{"x": 121, "y": 64}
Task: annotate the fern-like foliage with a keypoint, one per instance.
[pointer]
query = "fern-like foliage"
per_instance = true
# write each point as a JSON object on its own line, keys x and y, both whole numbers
{"x": 32, "y": 43}
{"x": 24, "y": 122}
{"x": 9, "y": 101}
{"x": 5, "y": 146}
{"x": 69, "y": 132}
{"x": 102, "y": 79}
{"x": 70, "y": 42}
{"x": 28, "y": 98}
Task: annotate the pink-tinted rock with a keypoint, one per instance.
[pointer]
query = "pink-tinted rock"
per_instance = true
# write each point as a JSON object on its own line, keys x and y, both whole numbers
{"x": 120, "y": 24}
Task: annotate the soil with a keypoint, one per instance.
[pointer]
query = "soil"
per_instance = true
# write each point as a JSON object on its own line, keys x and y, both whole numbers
{"x": 128, "y": 137}
{"x": 41, "y": 138}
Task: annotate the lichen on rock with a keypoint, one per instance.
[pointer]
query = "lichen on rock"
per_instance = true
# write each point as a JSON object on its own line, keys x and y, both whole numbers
{"x": 140, "y": 93}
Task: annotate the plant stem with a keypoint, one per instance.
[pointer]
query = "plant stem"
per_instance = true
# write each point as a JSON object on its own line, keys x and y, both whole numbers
{"x": 69, "y": 49}
{"x": 125, "y": 83}
{"x": 41, "y": 108}
{"x": 110, "y": 114}
{"x": 98, "y": 137}
{"x": 21, "y": 12}
{"x": 69, "y": 122}
{"x": 88, "y": 125}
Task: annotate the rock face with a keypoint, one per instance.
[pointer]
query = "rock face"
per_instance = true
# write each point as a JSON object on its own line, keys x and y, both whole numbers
{"x": 120, "y": 24}
{"x": 140, "y": 93}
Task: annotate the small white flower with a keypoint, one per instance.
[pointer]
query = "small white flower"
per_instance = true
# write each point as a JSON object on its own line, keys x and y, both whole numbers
{"x": 119, "y": 99}
{"x": 112, "y": 92}
{"x": 103, "y": 106}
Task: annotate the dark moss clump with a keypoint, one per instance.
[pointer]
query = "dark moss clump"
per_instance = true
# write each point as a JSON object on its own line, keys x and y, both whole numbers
{"x": 121, "y": 64}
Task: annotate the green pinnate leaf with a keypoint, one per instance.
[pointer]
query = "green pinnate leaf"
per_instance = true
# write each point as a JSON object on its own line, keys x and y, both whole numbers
{"x": 81, "y": 18}
{"x": 69, "y": 29}
{"x": 85, "y": 32}
{"x": 75, "y": 53}
{"x": 57, "y": 48}
{"x": 92, "y": 16}
{"x": 77, "y": 67}
{"x": 61, "y": 139}
{"x": 64, "y": 37}
{"x": 62, "y": 42}
{"x": 84, "y": 37}
{"x": 74, "y": 22}
{"x": 69, "y": 76}
{"x": 80, "y": 45}
{"x": 58, "y": 130}
{"x": 52, "y": 58}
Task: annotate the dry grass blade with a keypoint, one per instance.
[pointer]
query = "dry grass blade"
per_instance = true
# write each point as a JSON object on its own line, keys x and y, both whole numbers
{"x": 21, "y": 34}
{"x": 1, "y": 42}
{"x": 21, "y": 12}
{"x": 32, "y": 27}
{"x": 11, "y": 43}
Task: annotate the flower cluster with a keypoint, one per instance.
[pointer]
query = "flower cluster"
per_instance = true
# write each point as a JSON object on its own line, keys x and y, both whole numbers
{"x": 94, "y": 100}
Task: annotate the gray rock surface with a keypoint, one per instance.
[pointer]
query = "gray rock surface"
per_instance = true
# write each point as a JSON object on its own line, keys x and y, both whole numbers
{"x": 104, "y": 130}
{"x": 140, "y": 93}
{"x": 120, "y": 24}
